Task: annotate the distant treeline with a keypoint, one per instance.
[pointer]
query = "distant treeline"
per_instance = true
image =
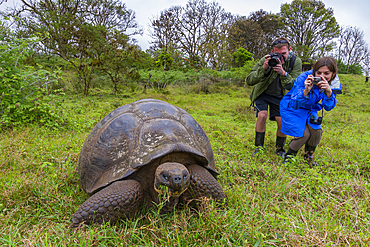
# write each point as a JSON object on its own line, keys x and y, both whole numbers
{"x": 97, "y": 37}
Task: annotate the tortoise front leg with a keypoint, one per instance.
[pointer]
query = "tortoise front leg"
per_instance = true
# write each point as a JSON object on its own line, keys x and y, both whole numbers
{"x": 119, "y": 200}
{"x": 203, "y": 184}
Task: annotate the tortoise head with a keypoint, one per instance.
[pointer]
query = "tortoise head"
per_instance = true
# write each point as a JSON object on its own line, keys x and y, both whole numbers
{"x": 173, "y": 176}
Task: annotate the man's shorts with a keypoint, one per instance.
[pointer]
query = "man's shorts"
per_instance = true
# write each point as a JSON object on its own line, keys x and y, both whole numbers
{"x": 265, "y": 100}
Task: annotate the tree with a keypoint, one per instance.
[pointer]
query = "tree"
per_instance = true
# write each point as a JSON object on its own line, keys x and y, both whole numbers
{"x": 118, "y": 58}
{"x": 310, "y": 27}
{"x": 249, "y": 35}
{"x": 69, "y": 28}
{"x": 352, "y": 48}
{"x": 216, "y": 25}
{"x": 189, "y": 32}
{"x": 366, "y": 62}
{"x": 270, "y": 24}
{"x": 255, "y": 33}
{"x": 164, "y": 33}
{"x": 198, "y": 30}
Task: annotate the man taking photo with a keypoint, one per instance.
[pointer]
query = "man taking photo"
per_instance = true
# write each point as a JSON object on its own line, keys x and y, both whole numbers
{"x": 271, "y": 77}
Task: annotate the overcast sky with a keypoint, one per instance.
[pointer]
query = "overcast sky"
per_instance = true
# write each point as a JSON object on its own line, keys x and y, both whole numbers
{"x": 347, "y": 13}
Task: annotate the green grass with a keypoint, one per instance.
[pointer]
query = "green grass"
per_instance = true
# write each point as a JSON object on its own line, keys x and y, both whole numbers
{"x": 269, "y": 204}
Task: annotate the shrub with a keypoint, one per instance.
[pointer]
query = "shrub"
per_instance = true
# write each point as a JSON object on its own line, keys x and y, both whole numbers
{"x": 241, "y": 56}
{"x": 355, "y": 69}
{"x": 23, "y": 89}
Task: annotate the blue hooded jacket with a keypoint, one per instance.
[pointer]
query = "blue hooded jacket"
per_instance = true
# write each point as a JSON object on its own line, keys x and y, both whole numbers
{"x": 296, "y": 109}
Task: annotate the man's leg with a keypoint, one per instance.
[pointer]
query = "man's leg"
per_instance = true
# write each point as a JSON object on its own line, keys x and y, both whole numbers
{"x": 275, "y": 115}
{"x": 261, "y": 107}
{"x": 260, "y": 130}
{"x": 261, "y": 121}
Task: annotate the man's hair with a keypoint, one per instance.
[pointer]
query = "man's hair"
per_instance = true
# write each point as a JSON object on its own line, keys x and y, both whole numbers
{"x": 328, "y": 62}
{"x": 280, "y": 42}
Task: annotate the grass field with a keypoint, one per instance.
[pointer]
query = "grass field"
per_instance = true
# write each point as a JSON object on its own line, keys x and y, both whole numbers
{"x": 269, "y": 204}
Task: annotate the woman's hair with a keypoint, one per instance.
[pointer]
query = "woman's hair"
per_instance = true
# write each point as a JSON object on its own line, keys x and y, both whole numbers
{"x": 328, "y": 62}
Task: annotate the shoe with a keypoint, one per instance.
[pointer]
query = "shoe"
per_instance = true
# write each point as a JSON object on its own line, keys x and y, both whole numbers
{"x": 280, "y": 143}
{"x": 256, "y": 150}
{"x": 308, "y": 156}
{"x": 258, "y": 142}
{"x": 286, "y": 160}
{"x": 310, "y": 160}
{"x": 281, "y": 153}
{"x": 288, "y": 155}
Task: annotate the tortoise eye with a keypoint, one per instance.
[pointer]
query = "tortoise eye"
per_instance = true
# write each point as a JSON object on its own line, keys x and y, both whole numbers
{"x": 164, "y": 177}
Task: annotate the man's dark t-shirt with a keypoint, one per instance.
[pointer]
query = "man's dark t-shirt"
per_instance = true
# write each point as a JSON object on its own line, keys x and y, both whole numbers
{"x": 275, "y": 89}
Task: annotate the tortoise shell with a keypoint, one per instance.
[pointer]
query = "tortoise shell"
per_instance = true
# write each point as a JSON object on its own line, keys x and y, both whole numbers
{"x": 133, "y": 135}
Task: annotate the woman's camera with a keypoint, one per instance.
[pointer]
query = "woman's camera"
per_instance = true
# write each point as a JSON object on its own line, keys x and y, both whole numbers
{"x": 313, "y": 120}
{"x": 274, "y": 59}
{"x": 316, "y": 80}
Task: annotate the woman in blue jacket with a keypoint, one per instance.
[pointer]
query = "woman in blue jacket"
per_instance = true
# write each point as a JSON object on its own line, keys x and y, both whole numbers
{"x": 300, "y": 106}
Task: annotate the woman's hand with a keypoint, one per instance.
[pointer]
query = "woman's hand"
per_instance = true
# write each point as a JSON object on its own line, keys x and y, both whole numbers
{"x": 308, "y": 85}
{"x": 323, "y": 84}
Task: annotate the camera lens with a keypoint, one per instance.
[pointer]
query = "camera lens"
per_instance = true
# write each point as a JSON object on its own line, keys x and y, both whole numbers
{"x": 273, "y": 62}
{"x": 274, "y": 59}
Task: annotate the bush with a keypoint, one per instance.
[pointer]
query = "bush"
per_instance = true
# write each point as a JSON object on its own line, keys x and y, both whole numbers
{"x": 23, "y": 89}
{"x": 241, "y": 56}
{"x": 161, "y": 79}
{"x": 355, "y": 69}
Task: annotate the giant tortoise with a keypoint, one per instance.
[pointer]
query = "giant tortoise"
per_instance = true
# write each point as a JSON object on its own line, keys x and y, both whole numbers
{"x": 136, "y": 152}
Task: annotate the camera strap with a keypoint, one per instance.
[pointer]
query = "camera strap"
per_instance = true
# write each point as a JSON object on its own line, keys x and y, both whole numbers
{"x": 291, "y": 63}
{"x": 322, "y": 109}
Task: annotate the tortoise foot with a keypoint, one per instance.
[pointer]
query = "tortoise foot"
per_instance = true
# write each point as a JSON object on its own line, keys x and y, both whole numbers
{"x": 119, "y": 200}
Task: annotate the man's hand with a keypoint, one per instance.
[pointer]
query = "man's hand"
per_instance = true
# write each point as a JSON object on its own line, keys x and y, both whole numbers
{"x": 279, "y": 68}
{"x": 266, "y": 63}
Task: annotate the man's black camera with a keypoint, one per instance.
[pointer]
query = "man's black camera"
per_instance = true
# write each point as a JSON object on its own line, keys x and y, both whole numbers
{"x": 313, "y": 120}
{"x": 274, "y": 59}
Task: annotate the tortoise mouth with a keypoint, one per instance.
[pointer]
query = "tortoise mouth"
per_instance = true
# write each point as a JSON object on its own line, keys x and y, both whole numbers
{"x": 164, "y": 189}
